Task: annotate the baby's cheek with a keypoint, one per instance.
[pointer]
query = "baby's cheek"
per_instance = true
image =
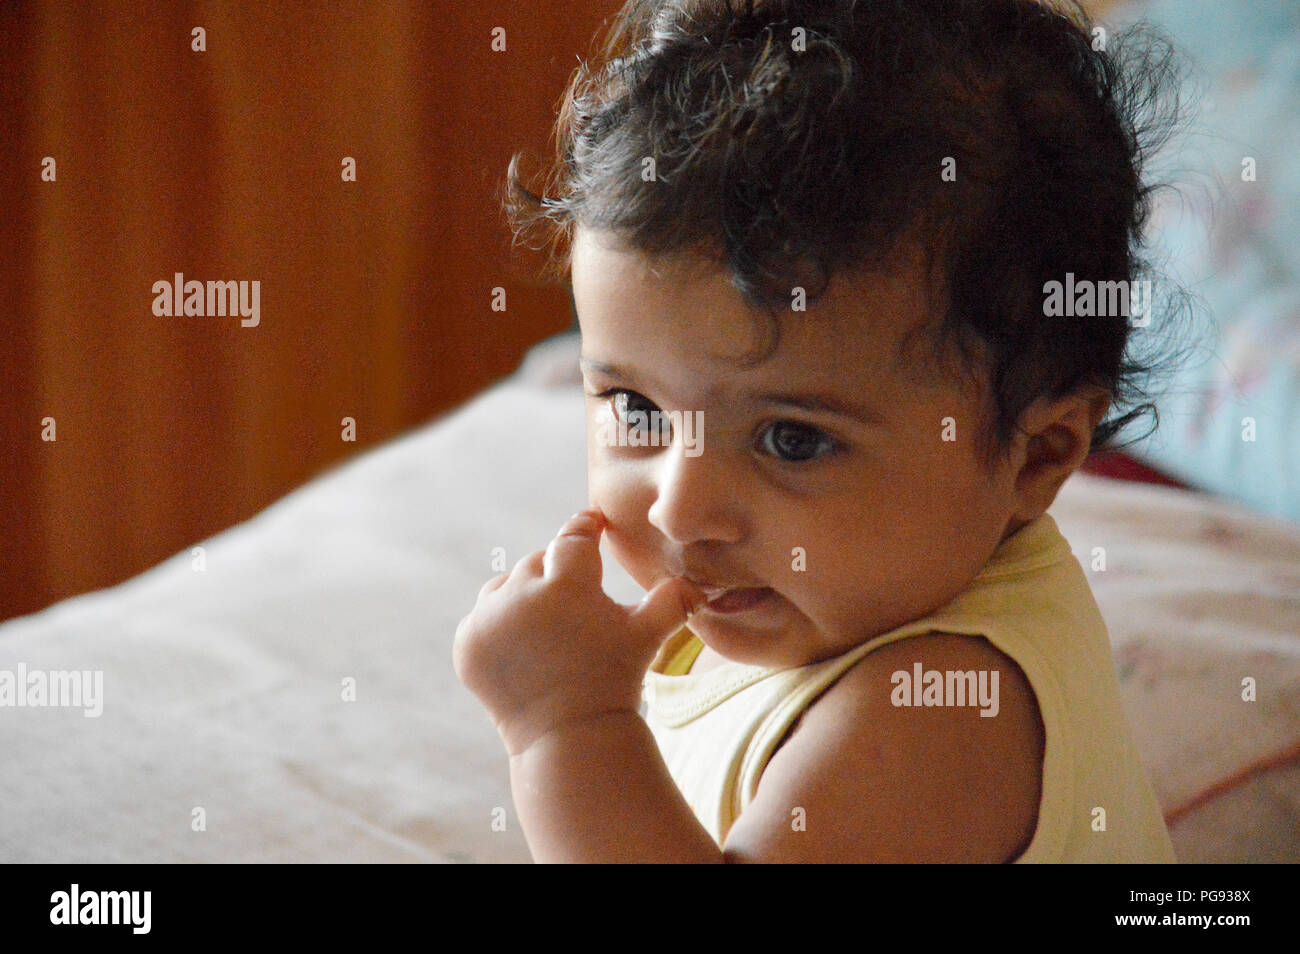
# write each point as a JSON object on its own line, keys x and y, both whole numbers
{"x": 829, "y": 569}
{"x": 614, "y": 493}
{"x": 634, "y": 556}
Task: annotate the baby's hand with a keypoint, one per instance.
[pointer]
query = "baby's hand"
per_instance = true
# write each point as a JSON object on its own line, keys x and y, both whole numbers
{"x": 544, "y": 645}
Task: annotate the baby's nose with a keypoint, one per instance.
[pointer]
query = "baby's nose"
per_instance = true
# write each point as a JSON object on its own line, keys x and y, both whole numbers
{"x": 698, "y": 498}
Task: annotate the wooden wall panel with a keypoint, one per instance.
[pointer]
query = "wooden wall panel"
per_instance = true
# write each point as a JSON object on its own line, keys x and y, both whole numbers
{"x": 225, "y": 165}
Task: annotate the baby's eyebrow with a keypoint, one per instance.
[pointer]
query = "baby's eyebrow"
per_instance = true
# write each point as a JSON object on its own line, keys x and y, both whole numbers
{"x": 603, "y": 367}
{"x": 821, "y": 402}
{"x": 826, "y": 404}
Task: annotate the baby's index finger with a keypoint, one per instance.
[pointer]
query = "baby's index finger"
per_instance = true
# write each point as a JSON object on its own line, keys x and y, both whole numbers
{"x": 584, "y": 522}
{"x": 575, "y": 551}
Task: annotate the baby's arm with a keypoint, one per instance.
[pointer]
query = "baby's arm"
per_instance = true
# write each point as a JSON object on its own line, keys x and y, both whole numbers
{"x": 598, "y": 790}
{"x": 559, "y": 666}
{"x": 880, "y": 783}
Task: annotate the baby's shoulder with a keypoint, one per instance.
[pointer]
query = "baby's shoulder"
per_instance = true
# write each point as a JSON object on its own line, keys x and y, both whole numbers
{"x": 929, "y": 748}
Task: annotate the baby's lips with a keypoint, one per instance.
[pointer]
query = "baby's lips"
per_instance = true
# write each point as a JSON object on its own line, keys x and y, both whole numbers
{"x": 710, "y": 592}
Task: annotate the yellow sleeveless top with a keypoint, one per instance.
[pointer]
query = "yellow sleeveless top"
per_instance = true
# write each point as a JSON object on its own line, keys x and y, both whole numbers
{"x": 718, "y": 728}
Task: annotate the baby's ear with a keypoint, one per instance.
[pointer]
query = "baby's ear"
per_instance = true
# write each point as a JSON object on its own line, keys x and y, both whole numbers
{"x": 1077, "y": 413}
{"x": 1057, "y": 435}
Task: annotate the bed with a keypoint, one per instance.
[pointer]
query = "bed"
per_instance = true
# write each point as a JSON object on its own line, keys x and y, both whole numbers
{"x": 284, "y": 691}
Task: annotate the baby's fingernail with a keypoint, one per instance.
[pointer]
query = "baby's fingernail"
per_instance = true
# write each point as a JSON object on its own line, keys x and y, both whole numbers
{"x": 581, "y": 520}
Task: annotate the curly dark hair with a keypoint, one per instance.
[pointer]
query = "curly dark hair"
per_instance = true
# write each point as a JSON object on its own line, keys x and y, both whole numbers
{"x": 793, "y": 139}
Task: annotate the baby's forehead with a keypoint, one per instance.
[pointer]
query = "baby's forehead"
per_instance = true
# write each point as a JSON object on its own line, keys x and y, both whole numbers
{"x": 865, "y": 324}
{"x": 881, "y": 320}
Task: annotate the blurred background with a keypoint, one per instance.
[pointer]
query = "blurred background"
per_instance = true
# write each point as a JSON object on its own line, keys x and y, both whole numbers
{"x": 376, "y": 295}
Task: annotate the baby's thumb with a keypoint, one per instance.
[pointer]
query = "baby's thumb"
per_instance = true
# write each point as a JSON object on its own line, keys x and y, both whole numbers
{"x": 664, "y": 609}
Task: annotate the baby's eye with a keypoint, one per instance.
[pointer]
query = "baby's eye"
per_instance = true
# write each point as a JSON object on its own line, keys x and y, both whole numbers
{"x": 794, "y": 442}
{"x": 629, "y": 406}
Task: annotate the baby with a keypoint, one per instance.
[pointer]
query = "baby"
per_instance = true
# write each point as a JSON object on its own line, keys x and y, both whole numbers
{"x": 817, "y": 238}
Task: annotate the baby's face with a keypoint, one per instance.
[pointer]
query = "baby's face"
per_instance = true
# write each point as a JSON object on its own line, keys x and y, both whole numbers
{"x": 853, "y": 525}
